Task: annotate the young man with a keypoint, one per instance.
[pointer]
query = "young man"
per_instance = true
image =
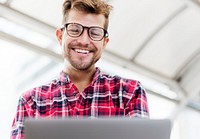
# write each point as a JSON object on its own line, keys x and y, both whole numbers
{"x": 82, "y": 89}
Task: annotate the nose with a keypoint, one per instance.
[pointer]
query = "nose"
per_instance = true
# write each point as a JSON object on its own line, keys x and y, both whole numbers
{"x": 84, "y": 38}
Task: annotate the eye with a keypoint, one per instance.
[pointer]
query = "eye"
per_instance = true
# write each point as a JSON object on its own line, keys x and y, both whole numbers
{"x": 74, "y": 30}
{"x": 96, "y": 32}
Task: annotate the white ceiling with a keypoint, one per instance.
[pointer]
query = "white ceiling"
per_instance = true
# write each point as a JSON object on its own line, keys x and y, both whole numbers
{"x": 156, "y": 38}
{"x": 43, "y": 10}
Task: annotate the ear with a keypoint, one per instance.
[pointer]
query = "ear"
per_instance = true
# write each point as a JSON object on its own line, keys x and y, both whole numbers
{"x": 106, "y": 40}
{"x": 59, "y": 35}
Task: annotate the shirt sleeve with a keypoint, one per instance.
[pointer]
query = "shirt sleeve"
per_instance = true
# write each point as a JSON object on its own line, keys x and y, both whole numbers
{"x": 137, "y": 106}
{"x": 23, "y": 111}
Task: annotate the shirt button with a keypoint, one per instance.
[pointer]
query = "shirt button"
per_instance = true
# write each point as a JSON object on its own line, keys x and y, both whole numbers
{"x": 77, "y": 113}
{"x": 74, "y": 94}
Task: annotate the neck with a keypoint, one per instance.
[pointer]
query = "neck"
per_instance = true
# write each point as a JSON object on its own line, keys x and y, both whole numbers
{"x": 80, "y": 75}
{"x": 81, "y": 78}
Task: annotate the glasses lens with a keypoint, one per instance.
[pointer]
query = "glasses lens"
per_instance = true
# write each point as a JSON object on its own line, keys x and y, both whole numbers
{"x": 74, "y": 30}
{"x": 96, "y": 33}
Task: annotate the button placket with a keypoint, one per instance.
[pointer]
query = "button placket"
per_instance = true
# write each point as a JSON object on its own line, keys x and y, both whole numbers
{"x": 77, "y": 106}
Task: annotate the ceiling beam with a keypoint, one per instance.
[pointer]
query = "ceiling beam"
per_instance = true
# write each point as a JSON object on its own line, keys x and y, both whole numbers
{"x": 27, "y": 21}
{"x": 8, "y": 2}
{"x": 184, "y": 102}
{"x": 129, "y": 64}
{"x": 188, "y": 64}
{"x": 159, "y": 28}
{"x": 43, "y": 51}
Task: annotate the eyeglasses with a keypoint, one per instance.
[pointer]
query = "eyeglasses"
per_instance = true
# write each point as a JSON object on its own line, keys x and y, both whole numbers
{"x": 95, "y": 33}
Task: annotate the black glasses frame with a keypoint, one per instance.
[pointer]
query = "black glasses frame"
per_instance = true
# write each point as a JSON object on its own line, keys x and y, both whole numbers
{"x": 83, "y": 28}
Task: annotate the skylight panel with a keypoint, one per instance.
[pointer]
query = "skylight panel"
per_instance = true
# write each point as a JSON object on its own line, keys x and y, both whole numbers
{"x": 24, "y": 33}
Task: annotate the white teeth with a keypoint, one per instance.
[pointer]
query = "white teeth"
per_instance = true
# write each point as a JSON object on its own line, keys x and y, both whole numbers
{"x": 81, "y": 51}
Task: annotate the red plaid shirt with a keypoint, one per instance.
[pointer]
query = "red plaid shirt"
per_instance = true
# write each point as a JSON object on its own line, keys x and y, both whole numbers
{"x": 105, "y": 96}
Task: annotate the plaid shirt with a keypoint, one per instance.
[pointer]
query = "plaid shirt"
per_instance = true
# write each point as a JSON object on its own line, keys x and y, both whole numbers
{"x": 105, "y": 96}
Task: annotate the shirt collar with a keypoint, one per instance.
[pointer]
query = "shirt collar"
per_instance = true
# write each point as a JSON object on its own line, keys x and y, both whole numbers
{"x": 64, "y": 78}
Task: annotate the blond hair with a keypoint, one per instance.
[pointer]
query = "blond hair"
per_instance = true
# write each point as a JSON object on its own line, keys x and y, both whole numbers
{"x": 87, "y": 6}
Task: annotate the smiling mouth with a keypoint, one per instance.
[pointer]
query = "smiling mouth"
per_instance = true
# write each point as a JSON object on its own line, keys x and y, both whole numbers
{"x": 82, "y": 51}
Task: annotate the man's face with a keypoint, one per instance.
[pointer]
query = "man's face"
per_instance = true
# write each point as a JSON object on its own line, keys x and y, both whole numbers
{"x": 81, "y": 52}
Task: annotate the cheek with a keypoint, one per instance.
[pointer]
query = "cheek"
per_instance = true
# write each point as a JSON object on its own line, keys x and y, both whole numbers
{"x": 65, "y": 43}
{"x": 64, "y": 48}
{"x": 101, "y": 47}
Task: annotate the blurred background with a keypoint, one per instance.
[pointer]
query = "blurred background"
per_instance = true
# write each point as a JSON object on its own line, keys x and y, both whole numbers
{"x": 154, "y": 41}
